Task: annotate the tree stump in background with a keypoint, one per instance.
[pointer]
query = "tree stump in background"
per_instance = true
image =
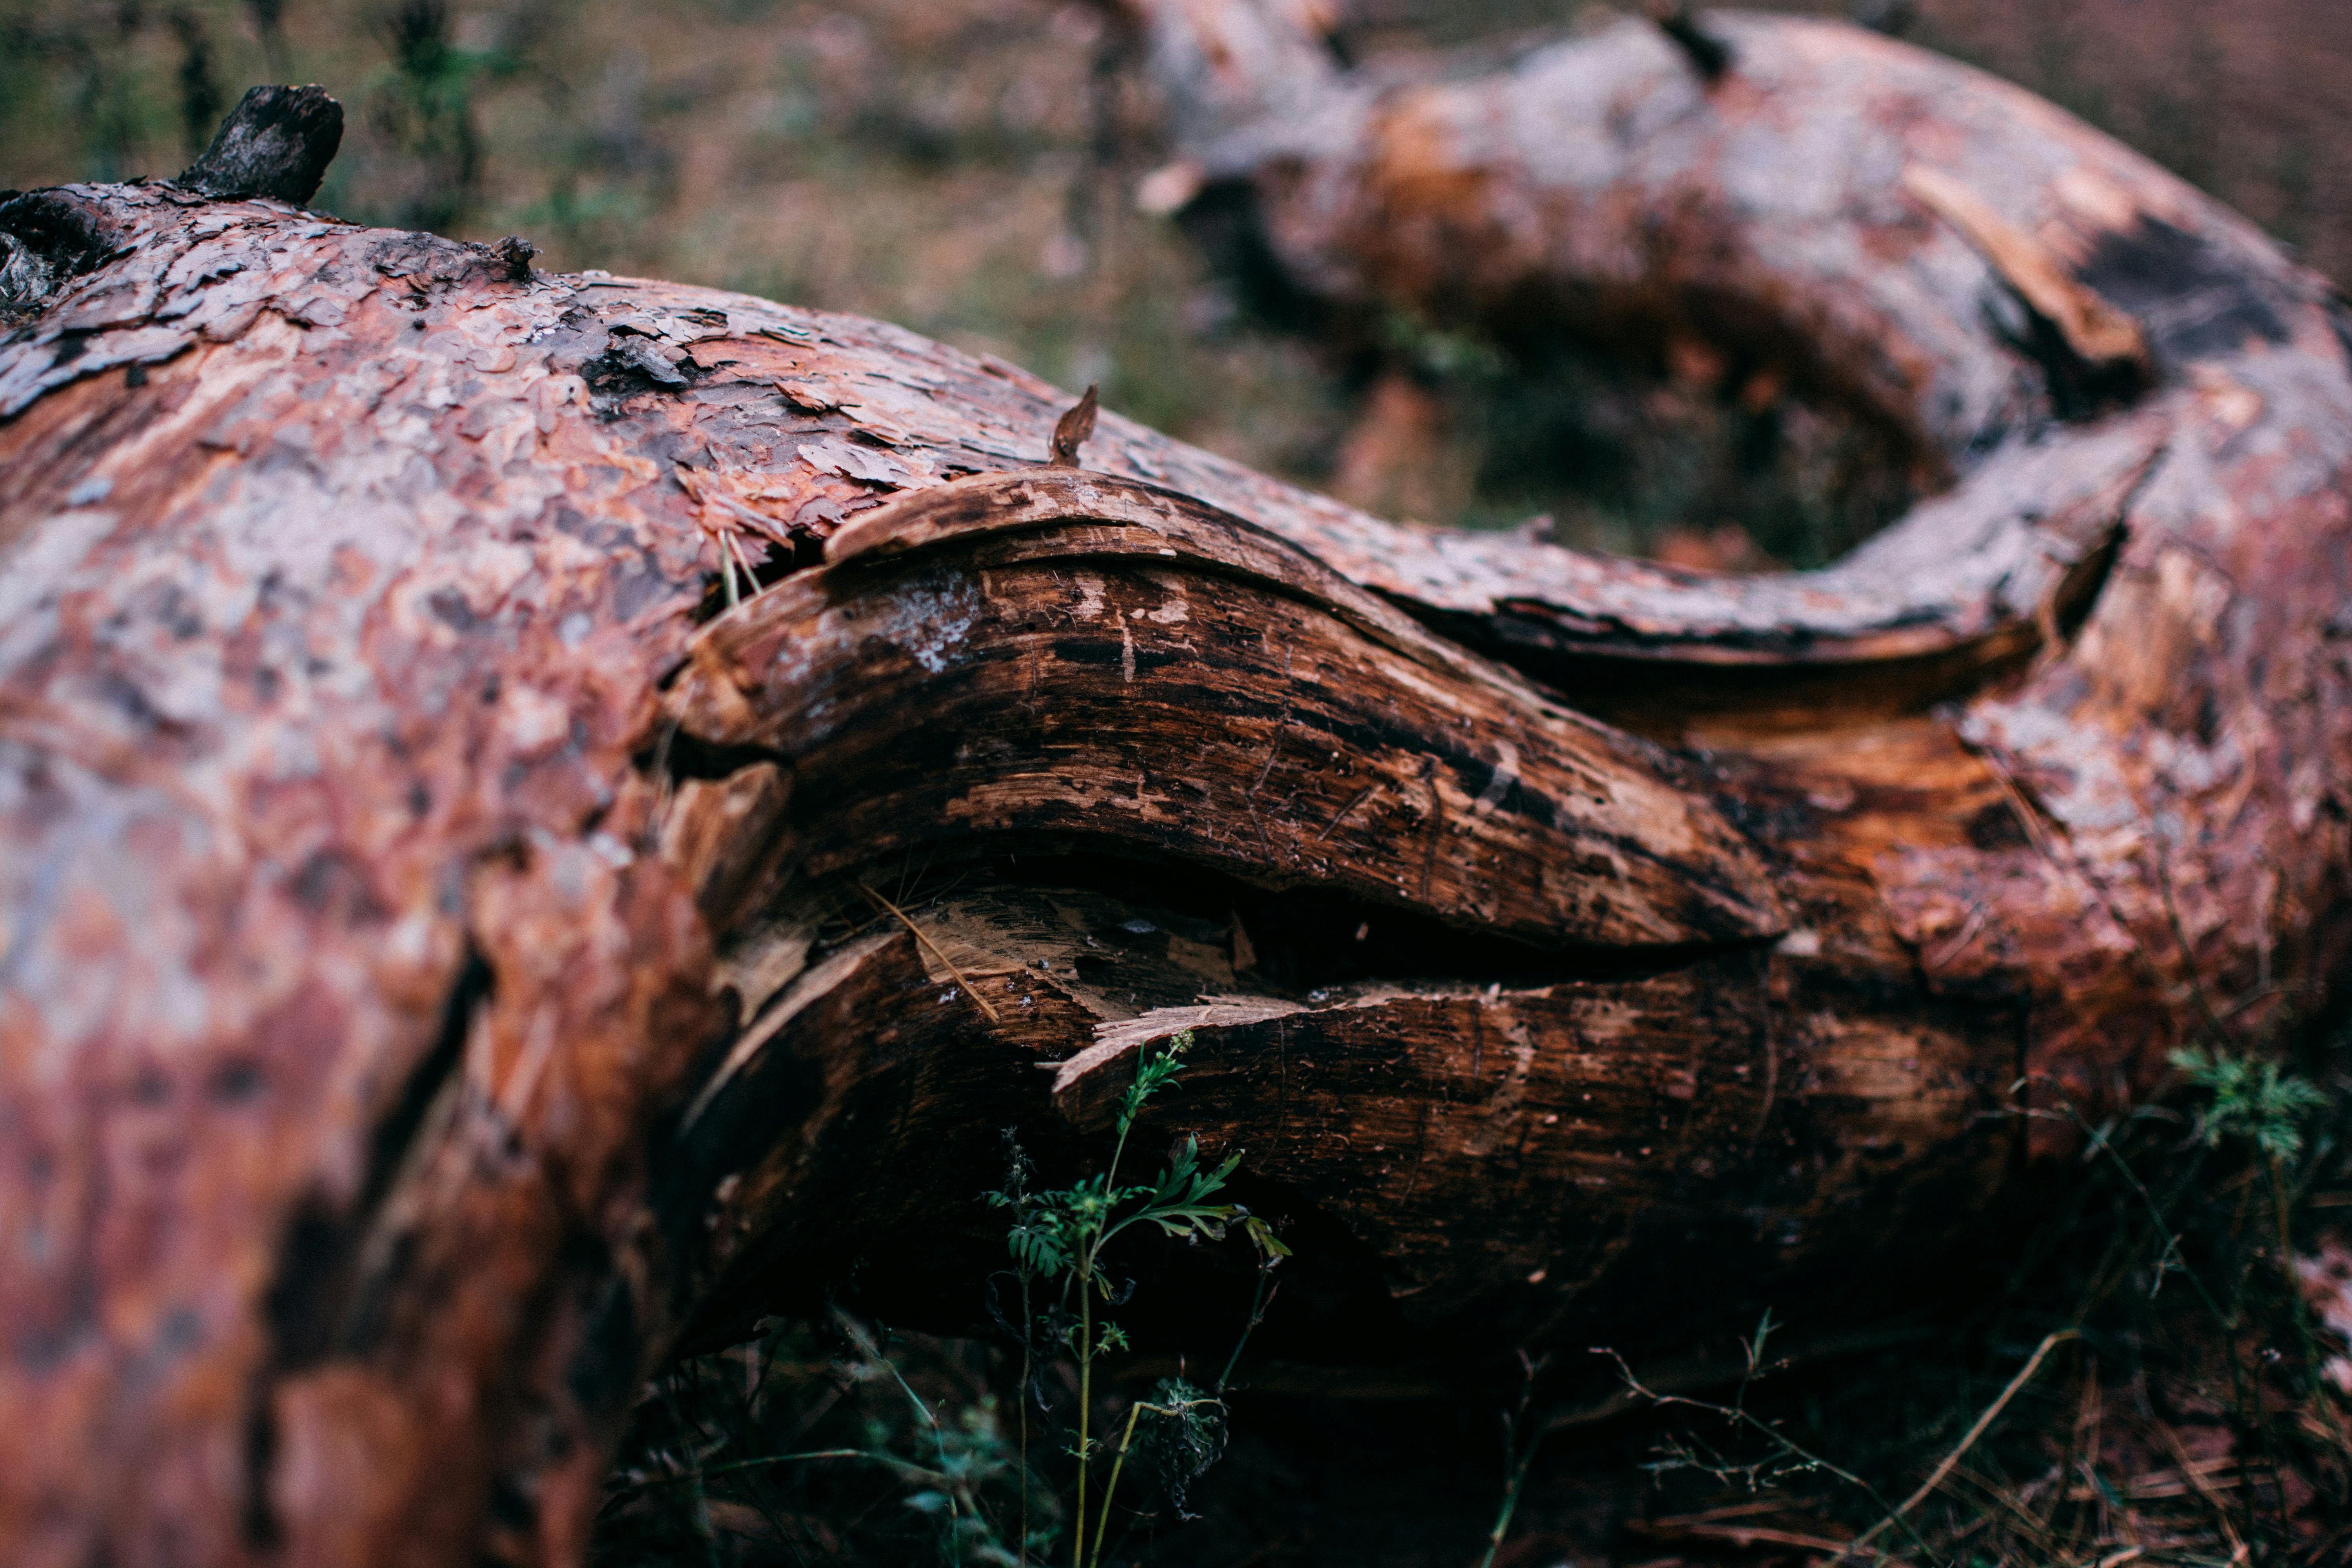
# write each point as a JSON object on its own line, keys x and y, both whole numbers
{"x": 545, "y": 815}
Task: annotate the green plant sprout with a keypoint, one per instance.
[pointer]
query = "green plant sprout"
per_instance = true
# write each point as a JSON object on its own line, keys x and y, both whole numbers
{"x": 2251, "y": 1097}
{"x": 1061, "y": 1235}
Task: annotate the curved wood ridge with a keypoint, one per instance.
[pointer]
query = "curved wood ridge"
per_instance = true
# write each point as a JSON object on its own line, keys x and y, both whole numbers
{"x": 1065, "y": 652}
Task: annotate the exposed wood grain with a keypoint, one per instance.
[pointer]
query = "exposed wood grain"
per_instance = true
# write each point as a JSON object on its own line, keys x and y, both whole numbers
{"x": 1123, "y": 653}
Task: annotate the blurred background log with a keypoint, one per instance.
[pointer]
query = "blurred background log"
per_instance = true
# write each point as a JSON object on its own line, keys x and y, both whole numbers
{"x": 463, "y": 720}
{"x": 969, "y": 169}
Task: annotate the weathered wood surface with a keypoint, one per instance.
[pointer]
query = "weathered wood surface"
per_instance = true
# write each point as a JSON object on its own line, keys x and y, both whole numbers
{"x": 441, "y": 969}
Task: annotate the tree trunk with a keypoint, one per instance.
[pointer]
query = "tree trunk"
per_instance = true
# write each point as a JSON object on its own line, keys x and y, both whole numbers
{"x": 547, "y": 816}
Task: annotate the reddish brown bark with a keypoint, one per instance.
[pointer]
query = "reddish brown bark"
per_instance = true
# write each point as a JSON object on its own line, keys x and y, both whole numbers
{"x": 442, "y": 970}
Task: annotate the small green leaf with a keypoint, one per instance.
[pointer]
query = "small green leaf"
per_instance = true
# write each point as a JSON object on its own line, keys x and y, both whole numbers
{"x": 1262, "y": 1237}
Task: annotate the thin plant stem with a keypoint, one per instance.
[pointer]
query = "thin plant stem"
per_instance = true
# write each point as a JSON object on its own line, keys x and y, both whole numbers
{"x": 1021, "y": 1399}
{"x": 905, "y": 1466}
{"x": 939, "y": 1438}
{"x": 1739, "y": 1418}
{"x": 2213, "y": 1025}
{"x": 1520, "y": 1457}
{"x": 1085, "y": 1409}
{"x": 1110, "y": 1177}
{"x": 2282, "y": 1206}
{"x": 2242, "y": 1399}
{"x": 1510, "y": 1506}
{"x": 1084, "y": 1272}
{"x": 1111, "y": 1487}
{"x": 2250, "y": 1399}
{"x": 2101, "y": 1143}
{"x": 1259, "y": 1300}
{"x": 2247, "y": 1406}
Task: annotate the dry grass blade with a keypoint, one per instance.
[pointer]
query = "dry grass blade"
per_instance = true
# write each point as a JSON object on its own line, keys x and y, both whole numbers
{"x": 1735, "y": 1527}
{"x": 2206, "y": 1491}
{"x": 1991, "y": 1414}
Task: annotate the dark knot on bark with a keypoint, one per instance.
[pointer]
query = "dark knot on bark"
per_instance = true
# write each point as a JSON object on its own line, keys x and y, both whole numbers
{"x": 277, "y": 143}
{"x": 1710, "y": 56}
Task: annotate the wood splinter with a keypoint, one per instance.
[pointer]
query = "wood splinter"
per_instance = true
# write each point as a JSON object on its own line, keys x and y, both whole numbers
{"x": 1073, "y": 430}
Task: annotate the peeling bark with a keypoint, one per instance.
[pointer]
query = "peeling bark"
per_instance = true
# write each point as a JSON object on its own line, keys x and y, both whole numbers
{"x": 465, "y": 727}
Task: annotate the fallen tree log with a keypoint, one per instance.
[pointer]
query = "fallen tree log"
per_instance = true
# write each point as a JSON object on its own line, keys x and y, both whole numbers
{"x": 547, "y": 815}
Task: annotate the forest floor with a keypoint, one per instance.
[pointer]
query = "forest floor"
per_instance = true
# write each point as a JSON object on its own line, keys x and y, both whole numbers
{"x": 2150, "y": 1369}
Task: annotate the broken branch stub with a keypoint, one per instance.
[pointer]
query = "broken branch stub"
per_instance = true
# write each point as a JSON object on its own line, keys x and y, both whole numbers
{"x": 277, "y": 143}
{"x": 447, "y": 972}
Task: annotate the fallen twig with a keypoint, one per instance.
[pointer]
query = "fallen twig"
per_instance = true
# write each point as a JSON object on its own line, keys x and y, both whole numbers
{"x": 1942, "y": 1471}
